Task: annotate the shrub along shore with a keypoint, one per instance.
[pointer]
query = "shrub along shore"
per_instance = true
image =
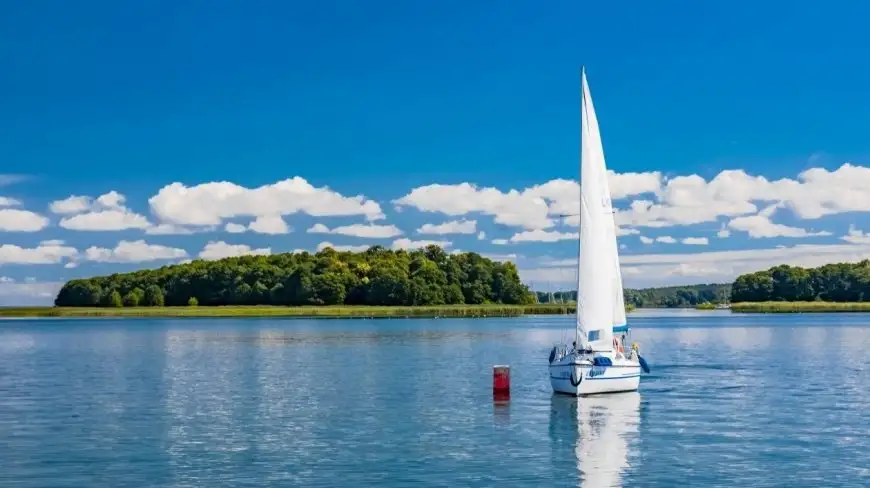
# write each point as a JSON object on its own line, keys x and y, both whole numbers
{"x": 339, "y": 311}
{"x": 799, "y": 307}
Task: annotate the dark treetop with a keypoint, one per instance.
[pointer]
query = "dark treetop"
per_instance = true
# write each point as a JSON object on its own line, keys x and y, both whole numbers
{"x": 377, "y": 276}
{"x": 838, "y": 282}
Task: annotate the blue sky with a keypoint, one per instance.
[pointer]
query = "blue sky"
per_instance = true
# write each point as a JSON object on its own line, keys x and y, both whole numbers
{"x": 382, "y": 99}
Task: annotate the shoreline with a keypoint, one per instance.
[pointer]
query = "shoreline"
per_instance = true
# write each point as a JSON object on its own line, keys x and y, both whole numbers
{"x": 312, "y": 311}
{"x": 800, "y": 307}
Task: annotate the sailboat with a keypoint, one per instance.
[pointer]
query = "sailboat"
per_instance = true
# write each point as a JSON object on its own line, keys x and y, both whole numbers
{"x": 598, "y": 361}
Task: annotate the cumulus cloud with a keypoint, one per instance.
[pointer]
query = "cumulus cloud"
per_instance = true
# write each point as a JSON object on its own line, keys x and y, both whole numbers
{"x": 723, "y": 232}
{"x": 233, "y": 228}
{"x": 47, "y": 252}
{"x": 666, "y": 240}
{"x": 105, "y": 213}
{"x": 856, "y": 236}
{"x": 210, "y": 203}
{"x": 678, "y": 201}
{"x": 220, "y": 249}
{"x": 500, "y": 242}
{"x": 133, "y": 252}
{"x": 532, "y": 208}
{"x": 170, "y": 229}
{"x": 9, "y": 202}
{"x": 696, "y": 241}
{"x": 450, "y": 227}
{"x": 16, "y": 220}
{"x": 711, "y": 266}
{"x": 269, "y": 224}
{"x": 761, "y": 226}
{"x": 481, "y": 235}
{"x": 543, "y": 236}
{"x": 368, "y": 231}
{"x": 105, "y": 220}
{"x": 408, "y": 244}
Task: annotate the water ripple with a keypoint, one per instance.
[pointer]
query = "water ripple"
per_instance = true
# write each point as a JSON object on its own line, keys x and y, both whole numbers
{"x": 752, "y": 400}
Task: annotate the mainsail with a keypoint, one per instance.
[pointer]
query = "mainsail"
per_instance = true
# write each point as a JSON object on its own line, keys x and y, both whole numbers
{"x": 600, "y": 304}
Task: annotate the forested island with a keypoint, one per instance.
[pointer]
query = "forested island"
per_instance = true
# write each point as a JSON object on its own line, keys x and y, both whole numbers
{"x": 377, "y": 276}
{"x": 832, "y": 287}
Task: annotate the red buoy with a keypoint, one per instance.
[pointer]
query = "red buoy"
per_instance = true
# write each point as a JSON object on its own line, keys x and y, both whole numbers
{"x": 501, "y": 378}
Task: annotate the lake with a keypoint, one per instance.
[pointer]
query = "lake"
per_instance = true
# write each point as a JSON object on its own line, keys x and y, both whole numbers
{"x": 752, "y": 400}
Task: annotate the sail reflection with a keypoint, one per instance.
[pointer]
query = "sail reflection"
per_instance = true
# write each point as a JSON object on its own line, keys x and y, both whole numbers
{"x": 604, "y": 430}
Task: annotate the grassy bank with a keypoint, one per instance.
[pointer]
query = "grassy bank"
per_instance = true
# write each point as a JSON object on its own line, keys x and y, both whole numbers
{"x": 310, "y": 311}
{"x": 799, "y": 307}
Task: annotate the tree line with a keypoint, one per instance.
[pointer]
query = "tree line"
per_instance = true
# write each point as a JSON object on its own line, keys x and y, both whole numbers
{"x": 837, "y": 282}
{"x": 377, "y": 276}
{"x": 687, "y": 296}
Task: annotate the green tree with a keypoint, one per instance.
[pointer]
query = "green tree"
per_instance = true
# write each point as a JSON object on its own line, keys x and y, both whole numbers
{"x": 154, "y": 296}
{"x": 192, "y": 302}
{"x": 115, "y": 299}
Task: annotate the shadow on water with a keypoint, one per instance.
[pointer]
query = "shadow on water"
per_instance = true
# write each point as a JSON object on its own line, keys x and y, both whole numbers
{"x": 601, "y": 434}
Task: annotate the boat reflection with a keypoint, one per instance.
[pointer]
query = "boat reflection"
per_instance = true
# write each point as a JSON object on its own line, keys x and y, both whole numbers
{"x": 601, "y": 431}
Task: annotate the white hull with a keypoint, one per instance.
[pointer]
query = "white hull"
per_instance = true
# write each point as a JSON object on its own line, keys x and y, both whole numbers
{"x": 575, "y": 375}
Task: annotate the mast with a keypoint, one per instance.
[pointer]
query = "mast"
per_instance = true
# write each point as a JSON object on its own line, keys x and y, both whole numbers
{"x": 579, "y": 333}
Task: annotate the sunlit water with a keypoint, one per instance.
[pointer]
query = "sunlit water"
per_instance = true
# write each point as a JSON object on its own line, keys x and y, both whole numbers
{"x": 732, "y": 400}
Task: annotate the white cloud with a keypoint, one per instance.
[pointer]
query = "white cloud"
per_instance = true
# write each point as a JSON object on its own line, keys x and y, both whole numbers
{"x": 44, "y": 253}
{"x": 52, "y": 242}
{"x": 106, "y": 213}
{"x": 105, "y": 220}
{"x": 646, "y": 240}
{"x": 269, "y": 224}
{"x": 543, "y": 236}
{"x": 71, "y": 205}
{"x": 133, "y": 252}
{"x": 696, "y": 241}
{"x": 666, "y": 240}
{"x": 409, "y": 244}
{"x": 16, "y": 220}
{"x": 325, "y": 244}
{"x": 6, "y": 279}
{"x": 711, "y": 266}
{"x": 723, "y": 232}
{"x": 9, "y": 202}
{"x": 210, "y": 203}
{"x": 171, "y": 229}
{"x": 220, "y": 249}
{"x": 481, "y": 235}
{"x": 500, "y": 242}
{"x": 682, "y": 200}
{"x": 760, "y": 226}
{"x": 450, "y": 227}
{"x": 531, "y": 209}
{"x": 368, "y": 231}
{"x": 71, "y": 265}
{"x": 856, "y": 236}
{"x": 233, "y": 228}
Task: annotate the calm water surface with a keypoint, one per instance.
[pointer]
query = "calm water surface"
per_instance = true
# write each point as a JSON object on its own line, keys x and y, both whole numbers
{"x": 732, "y": 400}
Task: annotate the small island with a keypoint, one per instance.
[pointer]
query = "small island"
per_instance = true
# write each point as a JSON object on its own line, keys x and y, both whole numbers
{"x": 836, "y": 287}
{"x": 377, "y": 282}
